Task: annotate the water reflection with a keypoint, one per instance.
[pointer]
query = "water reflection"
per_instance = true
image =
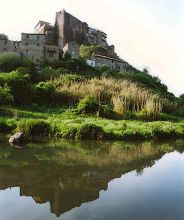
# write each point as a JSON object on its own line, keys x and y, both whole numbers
{"x": 69, "y": 174}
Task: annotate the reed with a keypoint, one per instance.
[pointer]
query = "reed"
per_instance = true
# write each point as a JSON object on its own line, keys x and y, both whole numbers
{"x": 124, "y": 96}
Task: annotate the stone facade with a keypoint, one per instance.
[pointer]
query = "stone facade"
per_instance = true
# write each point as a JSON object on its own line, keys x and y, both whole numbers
{"x": 50, "y": 42}
{"x": 72, "y": 48}
{"x": 114, "y": 64}
{"x": 7, "y": 45}
{"x": 36, "y": 48}
{"x": 71, "y": 29}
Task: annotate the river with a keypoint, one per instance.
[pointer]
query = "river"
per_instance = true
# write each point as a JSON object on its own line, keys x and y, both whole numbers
{"x": 48, "y": 180}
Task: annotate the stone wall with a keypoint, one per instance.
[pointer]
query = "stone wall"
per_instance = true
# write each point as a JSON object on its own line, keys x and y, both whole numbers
{"x": 113, "y": 64}
{"x": 72, "y": 48}
{"x": 7, "y": 45}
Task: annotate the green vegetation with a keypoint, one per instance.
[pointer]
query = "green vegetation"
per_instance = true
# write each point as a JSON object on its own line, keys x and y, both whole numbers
{"x": 86, "y": 51}
{"x": 69, "y": 99}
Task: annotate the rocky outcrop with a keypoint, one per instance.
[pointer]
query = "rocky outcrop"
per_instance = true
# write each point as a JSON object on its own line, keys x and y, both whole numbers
{"x": 17, "y": 138}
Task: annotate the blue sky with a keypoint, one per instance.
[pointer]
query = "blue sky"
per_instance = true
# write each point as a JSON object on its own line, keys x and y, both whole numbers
{"x": 147, "y": 33}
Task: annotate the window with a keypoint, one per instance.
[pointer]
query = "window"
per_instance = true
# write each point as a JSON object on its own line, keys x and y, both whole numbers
{"x": 38, "y": 61}
{"x": 51, "y": 55}
{"x": 5, "y": 42}
{"x": 38, "y": 37}
{"x": 38, "y": 44}
{"x": 26, "y": 43}
{"x": 27, "y": 36}
{"x": 4, "y": 49}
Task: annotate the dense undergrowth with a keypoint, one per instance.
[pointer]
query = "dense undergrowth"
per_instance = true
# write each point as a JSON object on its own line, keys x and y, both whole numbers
{"x": 69, "y": 99}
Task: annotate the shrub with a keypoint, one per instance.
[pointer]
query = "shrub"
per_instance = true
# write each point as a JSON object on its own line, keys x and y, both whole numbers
{"x": 107, "y": 112}
{"x": 90, "y": 132}
{"x": 33, "y": 127}
{"x": 10, "y": 61}
{"x": 86, "y": 51}
{"x": 162, "y": 132}
{"x": 88, "y": 105}
{"x": 19, "y": 85}
{"x": 69, "y": 133}
{"x": 6, "y": 97}
{"x": 5, "y": 126}
{"x": 45, "y": 92}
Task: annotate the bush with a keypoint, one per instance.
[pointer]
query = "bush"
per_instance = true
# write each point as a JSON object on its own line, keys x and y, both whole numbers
{"x": 90, "y": 132}
{"x": 163, "y": 132}
{"x": 45, "y": 92}
{"x": 33, "y": 127}
{"x": 69, "y": 133}
{"x": 19, "y": 85}
{"x": 107, "y": 112}
{"x": 88, "y": 105}
{"x": 86, "y": 51}
{"x": 11, "y": 61}
{"x": 5, "y": 126}
{"x": 6, "y": 97}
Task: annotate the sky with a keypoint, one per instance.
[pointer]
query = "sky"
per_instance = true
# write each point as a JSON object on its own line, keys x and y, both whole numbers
{"x": 146, "y": 33}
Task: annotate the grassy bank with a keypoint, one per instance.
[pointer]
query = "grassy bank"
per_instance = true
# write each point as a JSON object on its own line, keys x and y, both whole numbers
{"x": 66, "y": 124}
{"x": 71, "y": 100}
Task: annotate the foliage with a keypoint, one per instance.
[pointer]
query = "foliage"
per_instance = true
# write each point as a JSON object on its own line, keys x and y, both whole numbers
{"x": 6, "y": 98}
{"x": 88, "y": 105}
{"x": 10, "y": 61}
{"x": 90, "y": 132}
{"x": 5, "y": 125}
{"x": 19, "y": 85}
{"x": 123, "y": 96}
{"x": 33, "y": 127}
{"x": 45, "y": 92}
{"x": 86, "y": 51}
{"x": 148, "y": 82}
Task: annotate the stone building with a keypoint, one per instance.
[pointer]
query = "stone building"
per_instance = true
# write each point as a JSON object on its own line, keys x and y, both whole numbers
{"x": 36, "y": 48}
{"x": 97, "y": 60}
{"x": 7, "y": 45}
{"x": 72, "y": 48}
{"x": 50, "y": 42}
{"x": 69, "y": 28}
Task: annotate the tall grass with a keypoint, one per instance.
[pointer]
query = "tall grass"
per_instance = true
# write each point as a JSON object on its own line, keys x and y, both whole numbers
{"x": 124, "y": 96}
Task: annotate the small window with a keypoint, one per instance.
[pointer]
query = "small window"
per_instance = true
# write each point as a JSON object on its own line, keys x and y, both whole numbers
{"x": 27, "y": 36}
{"x": 5, "y": 42}
{"x": 38, "y": 61}
{"x": 38, "y": 44}
{"x": 51, "y": 55}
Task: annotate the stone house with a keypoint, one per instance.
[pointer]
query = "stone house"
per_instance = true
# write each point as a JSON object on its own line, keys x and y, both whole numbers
{"x": 100, "y": 61}
{"x": 71, "y": 48}
{"x": 7, "y": 45}
{"x": 36, "y": 48}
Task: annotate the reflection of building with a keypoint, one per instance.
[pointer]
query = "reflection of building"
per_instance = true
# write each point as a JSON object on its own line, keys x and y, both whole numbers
{"x": 68, "y": 187}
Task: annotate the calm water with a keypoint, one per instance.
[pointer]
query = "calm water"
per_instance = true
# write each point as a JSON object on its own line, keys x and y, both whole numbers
{"x": 87, "y": 181}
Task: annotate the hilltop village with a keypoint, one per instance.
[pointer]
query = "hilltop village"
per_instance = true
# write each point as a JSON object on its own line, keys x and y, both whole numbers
{"x": 52, "y": 42}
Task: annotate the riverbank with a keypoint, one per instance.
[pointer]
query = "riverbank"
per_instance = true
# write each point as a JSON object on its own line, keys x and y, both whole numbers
{"x": 63, "y": 123}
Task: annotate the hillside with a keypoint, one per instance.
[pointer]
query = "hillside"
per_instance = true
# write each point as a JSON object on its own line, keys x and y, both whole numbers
{"x": 71, "y": 90}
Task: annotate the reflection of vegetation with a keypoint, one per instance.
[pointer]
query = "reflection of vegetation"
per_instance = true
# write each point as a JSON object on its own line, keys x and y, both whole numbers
{"x": 74, "y": 172}
{"x": 97, "y": 154}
